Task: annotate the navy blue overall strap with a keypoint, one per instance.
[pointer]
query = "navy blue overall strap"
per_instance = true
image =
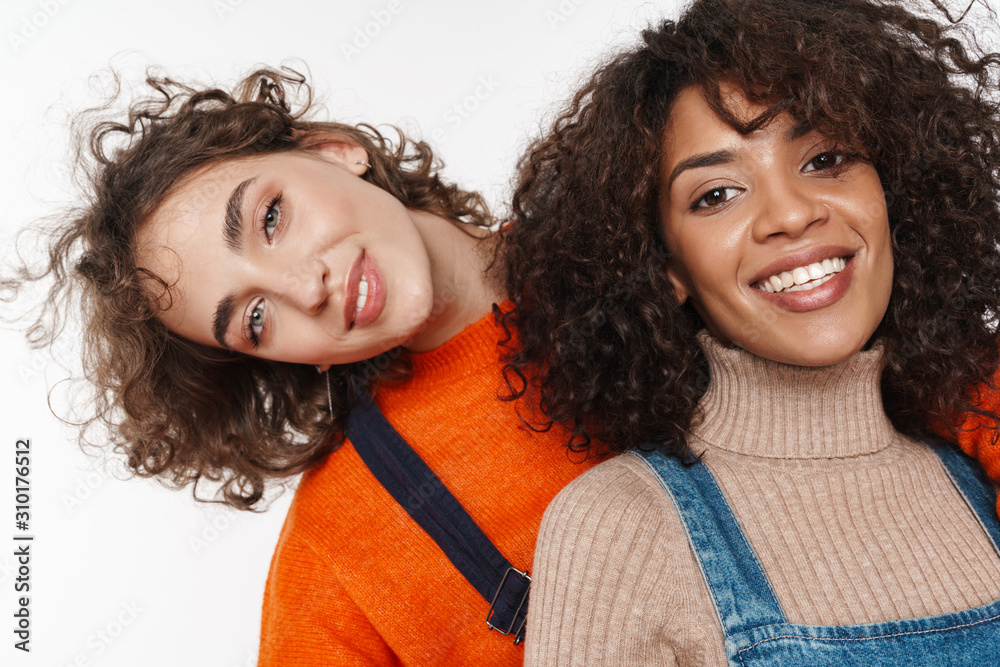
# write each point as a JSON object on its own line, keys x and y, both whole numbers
{"x": 741, "y": 592}
{"x": 425, "y": 498}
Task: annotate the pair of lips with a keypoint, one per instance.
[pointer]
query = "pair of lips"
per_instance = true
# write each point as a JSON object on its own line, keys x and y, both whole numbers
{"x": 806, "y": 277}
{"x": 363, "y": 293}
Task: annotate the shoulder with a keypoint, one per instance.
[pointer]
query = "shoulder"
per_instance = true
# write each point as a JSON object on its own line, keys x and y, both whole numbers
{"x": 620, "y": 486}
{"x": 612, "y": 509}
{"x": 612, "y": 541}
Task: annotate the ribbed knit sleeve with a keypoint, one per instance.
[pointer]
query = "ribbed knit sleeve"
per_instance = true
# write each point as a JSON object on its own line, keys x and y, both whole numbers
{"x": 615, "y": 582}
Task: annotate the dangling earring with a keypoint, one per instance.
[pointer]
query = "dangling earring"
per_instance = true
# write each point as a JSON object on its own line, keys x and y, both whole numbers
{"x": 364, "y": 163}
{"x": 329, "y": 394}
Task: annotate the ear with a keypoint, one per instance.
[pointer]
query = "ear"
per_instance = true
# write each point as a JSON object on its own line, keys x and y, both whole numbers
{"x": 349, "y": 156}
{"x": 681, "y": 283}
{"x": 340, "y": 150}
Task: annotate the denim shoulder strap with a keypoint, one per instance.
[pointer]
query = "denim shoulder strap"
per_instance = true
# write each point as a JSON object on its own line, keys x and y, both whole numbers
{"x": 741, "y": 592}
{"x": 425, "y": 498}
{"x": 972, "y": 482}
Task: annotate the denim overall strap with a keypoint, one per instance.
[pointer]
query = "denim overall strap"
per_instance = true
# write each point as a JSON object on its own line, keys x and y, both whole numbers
{"x": 749, "y": 612}
{"x": 741, "y": 592}
{"x": 972, "y": 482}
{"x": 425, "y": 498}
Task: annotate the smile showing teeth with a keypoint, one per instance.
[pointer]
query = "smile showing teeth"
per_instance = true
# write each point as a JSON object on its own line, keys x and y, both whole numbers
{"x": 803, "y": 278}
{"x": 362, "y": 294}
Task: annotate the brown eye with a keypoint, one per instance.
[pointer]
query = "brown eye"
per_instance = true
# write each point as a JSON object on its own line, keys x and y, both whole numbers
{"x": 715, "y": 197}
{"x": 823, "y": 161}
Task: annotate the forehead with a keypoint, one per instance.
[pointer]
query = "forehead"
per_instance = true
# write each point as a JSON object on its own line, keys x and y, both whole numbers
{"x": 694, "y": 127}
{"x": 181, "y": 241}
{"x": 691, "y": 115}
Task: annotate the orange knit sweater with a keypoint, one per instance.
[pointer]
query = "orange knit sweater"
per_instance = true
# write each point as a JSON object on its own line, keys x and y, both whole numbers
{"x": 355, "y": 581}
{"x": 978, "y": 435}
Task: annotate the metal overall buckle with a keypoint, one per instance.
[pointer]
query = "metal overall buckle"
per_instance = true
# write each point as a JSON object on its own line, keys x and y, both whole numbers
{"x": 518, "y": 631}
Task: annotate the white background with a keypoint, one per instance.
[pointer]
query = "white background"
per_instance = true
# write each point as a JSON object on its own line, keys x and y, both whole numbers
{"x": 128, "y": 573}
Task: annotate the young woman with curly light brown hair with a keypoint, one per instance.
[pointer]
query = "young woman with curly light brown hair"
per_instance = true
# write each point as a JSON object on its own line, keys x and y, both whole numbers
{"x": 232, "y": 246}
{"x": 774, "y": 273}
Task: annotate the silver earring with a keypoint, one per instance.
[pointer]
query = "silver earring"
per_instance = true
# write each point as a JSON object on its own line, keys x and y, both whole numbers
{"x": 329, "y": 394}
{"x": 364, "y": 163}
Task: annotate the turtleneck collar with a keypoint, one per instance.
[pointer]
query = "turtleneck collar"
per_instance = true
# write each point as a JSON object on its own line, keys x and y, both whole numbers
{"x": 757, "y": 407}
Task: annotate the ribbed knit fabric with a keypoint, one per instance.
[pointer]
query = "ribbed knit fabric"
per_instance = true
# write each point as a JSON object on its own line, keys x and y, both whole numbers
{"x": 355, "y": 581}
{"x": 852, "y": 522}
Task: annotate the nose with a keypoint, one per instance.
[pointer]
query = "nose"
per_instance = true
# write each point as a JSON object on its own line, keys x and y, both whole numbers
{"x": 788, "y": 206}
{"x": 305, "y": 285}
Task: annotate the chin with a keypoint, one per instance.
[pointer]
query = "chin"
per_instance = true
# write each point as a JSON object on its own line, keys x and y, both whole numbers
{"x": 817, "y": 353}
{"x": 415, "y": 311}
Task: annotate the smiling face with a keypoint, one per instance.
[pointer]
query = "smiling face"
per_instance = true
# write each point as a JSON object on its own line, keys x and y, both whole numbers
{"x": 290, "y": 257}
{"x": 780, "y": 238}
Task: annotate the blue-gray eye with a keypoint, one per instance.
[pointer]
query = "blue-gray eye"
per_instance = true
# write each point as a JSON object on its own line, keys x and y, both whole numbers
{"x": 255, "y": 323}
{"x": 272, "y": 216}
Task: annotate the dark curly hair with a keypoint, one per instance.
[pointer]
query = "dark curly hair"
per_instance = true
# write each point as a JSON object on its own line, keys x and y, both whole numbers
{"x": 179, "y": 410}
{"x": 606, "y": 347}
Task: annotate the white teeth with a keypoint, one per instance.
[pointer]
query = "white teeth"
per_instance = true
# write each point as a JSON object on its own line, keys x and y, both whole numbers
{"x": 804, "y": 277}
{"x": 362, "y": 294}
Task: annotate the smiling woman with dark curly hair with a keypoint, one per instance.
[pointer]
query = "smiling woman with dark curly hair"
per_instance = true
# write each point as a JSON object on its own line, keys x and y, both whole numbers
{"x": 772, "y": 272}
{"x": 586, "y": 262}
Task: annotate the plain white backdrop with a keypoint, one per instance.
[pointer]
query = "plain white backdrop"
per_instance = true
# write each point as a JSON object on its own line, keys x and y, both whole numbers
{"x": 127, "y": 573}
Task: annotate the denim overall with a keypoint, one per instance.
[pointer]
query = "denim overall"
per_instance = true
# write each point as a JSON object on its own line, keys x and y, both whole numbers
{"x": 756, "y": 630}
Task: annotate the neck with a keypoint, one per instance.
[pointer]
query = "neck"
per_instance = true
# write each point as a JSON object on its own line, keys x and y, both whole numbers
{"x": 463, "y": 293}
{"x": 759, "y": 407}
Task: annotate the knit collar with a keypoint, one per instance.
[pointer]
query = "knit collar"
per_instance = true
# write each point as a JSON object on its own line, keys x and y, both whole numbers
{"x": 763, "y": 408}
{"x": 476, "y": 347}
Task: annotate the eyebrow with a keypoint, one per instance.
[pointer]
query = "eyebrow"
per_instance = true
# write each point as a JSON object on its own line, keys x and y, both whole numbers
{"x": 232, "y": 228}
{"x": 796, "y": 132}
{"x": 701, "y": 160}
{"x": 223, "y": 316}
{"x": 799, "y": 130}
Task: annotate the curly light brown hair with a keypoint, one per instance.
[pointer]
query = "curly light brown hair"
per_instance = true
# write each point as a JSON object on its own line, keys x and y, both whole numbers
{"x": 606, "y": 346}
{"x": 177, "y": 410}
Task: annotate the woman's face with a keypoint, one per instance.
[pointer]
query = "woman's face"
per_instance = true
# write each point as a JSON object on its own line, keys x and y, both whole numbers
{"x": 780, "y": 238}
{"x": 290, "y": 257}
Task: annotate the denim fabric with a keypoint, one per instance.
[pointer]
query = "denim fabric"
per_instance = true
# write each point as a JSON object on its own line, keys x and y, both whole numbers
{"x": 757, "y": 632}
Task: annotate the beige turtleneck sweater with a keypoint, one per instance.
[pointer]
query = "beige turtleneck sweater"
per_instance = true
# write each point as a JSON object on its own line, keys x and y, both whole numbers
{"x": 852, "y": 521}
